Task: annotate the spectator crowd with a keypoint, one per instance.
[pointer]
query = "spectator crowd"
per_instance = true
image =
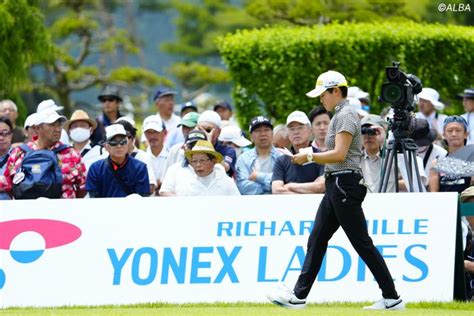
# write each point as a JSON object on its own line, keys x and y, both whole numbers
{"x": 190, "y": 153}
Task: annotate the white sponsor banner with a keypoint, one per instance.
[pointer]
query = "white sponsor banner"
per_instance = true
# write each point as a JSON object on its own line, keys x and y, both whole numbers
{"x": 136, "y": 250}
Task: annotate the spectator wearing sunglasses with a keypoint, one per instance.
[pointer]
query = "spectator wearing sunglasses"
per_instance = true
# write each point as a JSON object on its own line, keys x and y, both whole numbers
{"x": 110, "y": 99}
{"x": 6, "y": 138}
{"x": 119, "y": 175}
{"x": 455, "y": 135}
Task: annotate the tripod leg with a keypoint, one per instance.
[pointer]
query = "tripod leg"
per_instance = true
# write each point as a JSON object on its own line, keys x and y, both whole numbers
{"x": 386, "y": 169}
{"x": 417, "y": 172}
{"x": 397, "y": 189}
{"x": 408, "y": 166}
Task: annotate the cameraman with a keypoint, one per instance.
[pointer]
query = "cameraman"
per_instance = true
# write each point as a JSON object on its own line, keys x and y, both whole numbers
{"x": 373, "y": 132}
{"x": 373, "y": 137}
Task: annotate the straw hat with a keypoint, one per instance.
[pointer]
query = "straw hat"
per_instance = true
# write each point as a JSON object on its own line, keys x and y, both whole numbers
{"x": 80, "y": 115}
{"x": 469, "y": 192}
{"x": 203, "y": 147}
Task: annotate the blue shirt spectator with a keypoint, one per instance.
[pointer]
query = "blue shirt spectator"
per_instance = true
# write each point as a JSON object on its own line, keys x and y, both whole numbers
{"x": 119, "y": 175}
{"x": 246, "y": 164}
{"x": 255, "y": 166}
{"x": 104, "y": 180}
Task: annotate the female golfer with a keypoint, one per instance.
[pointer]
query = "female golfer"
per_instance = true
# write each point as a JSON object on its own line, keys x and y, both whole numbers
{"x": 341, "y": 204}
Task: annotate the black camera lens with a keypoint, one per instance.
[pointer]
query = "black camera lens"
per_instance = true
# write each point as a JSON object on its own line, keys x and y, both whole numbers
{"x": 392, "y": 93}
{"x": 368, "y": 131}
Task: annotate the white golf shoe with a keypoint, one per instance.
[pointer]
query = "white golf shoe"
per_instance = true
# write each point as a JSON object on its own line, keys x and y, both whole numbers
{"x": 387, "y": 304}
{"x": 285, "y": 297}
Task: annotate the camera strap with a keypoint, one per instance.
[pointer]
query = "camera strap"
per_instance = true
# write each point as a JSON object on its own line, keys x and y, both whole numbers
{"x": 427, "y": 155}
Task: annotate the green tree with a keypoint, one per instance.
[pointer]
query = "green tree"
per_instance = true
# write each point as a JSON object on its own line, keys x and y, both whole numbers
{"x": 310, "y": 12}
{"x": 89, "y": 49}
{"x": 198, "y": 24}
{"x": 24, "y": 41}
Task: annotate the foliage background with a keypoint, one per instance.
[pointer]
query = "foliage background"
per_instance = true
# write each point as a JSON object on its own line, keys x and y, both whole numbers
{"x": 273, "y": 68}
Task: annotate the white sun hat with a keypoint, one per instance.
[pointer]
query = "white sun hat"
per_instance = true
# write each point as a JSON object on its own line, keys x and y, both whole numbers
{"x": 431, "y": 95}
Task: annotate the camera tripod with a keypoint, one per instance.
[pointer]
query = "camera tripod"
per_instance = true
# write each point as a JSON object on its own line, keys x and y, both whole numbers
{"x": 407, "y": 147}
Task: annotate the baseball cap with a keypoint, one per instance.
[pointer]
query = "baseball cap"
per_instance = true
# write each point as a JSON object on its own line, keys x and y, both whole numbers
{"x": 162, "y": 91}
{"x": 188, "y": 105}
{"x": 110, "y": 92}
{"x": 431, "y": 95}
{"x": 468, "y": 93}
{"x": 49, "y": 117}
{"x": 259, "y": 121}
{"x": 190, "y": 119}
{"x": 126, "y": 119}
{"x": 48, "y": 105}
{"x": 326, "y": 80}
{"x": 194, "y": 136}
{"x": 210, "y": 117}
{"x": 422, "y": 134}
{"x": 31, "y": 120}
{"x": 373, "y": 119}
{"x": 113, "y": 130}
{"x": 298, "y": 116}
{"x": 153, "y": 122}
{"x": 232, "y": 133}
{"x": 223, "y": 104}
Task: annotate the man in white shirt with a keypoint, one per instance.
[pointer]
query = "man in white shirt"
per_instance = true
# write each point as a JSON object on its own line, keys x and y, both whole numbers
{"x": 429, "y": 106}
{"x": 468, "y": 103}
{"x": 203, "y": 176}
{"x": 164, "y": 102}
{"x": 155, "y": 133}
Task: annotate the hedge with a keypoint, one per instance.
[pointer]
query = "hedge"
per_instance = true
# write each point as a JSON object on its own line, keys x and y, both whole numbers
{"x": 273, "y": 68}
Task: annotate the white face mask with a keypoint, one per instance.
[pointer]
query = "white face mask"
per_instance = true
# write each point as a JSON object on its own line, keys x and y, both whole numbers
{"x": 80, "y": 134}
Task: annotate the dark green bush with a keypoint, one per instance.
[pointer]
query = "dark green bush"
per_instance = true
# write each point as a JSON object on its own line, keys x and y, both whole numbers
{"x": 273, "y": 68}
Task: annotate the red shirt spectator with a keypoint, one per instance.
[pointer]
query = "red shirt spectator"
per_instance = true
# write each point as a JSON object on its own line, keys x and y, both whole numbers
{"x": 49, "y": 127}
{"x": 72, "y": 168}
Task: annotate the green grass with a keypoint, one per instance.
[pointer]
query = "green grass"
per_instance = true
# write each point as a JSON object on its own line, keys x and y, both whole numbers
{"x": 352, "y": 309}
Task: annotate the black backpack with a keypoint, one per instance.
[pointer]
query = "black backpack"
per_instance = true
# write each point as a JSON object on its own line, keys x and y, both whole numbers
{"x": 39, "y": 174}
